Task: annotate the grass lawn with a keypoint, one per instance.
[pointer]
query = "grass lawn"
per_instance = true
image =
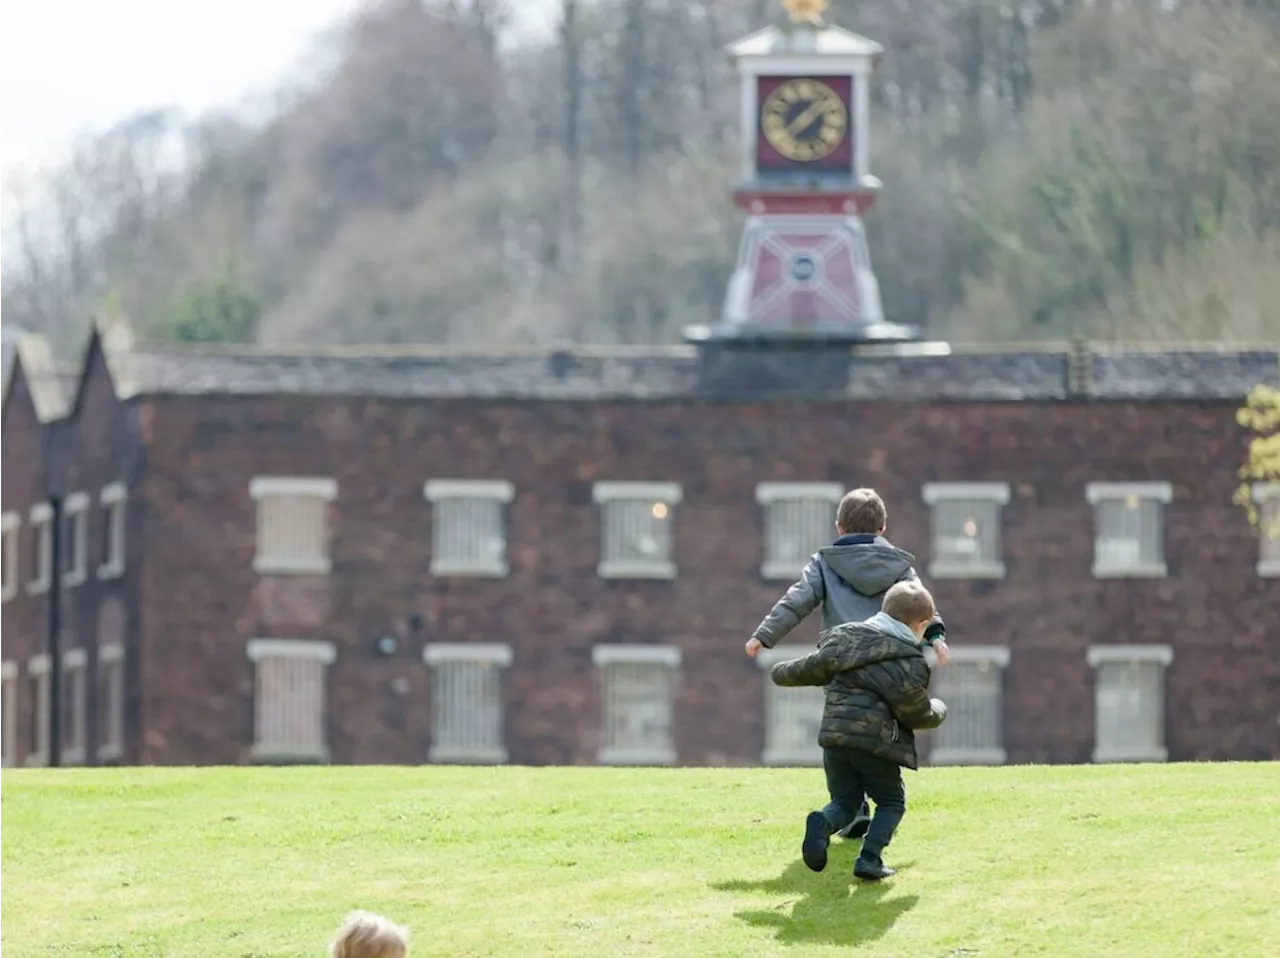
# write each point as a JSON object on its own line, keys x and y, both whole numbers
{"x": 1173, "y": 861}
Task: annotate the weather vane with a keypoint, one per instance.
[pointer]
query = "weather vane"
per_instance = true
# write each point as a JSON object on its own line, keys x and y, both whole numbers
{"x": 805, "y": 11}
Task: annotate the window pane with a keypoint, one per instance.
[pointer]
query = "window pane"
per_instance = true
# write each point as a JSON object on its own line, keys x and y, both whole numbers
{"x": 292, "y": 528}
{"x": 1129, "y": 533}
{"x": 966, "y": 533}
{"x": 972, "y": 691}
{"x": 795, "y": 529}
{"x": 469, "y": 530}
{"x": 466, "y": 706}
{"x": 793, "y": 717}
{"x": 637, "y": 706}
{"x": 1130, "y": 707}
{"x": 9, "y": 556}
{"x": 1269, "y": 528}
{"x": 290, "y": 710}
{"x": 9, "y": 735}
{"x": 39, "y": 547}
{"x": 637, "y": 531}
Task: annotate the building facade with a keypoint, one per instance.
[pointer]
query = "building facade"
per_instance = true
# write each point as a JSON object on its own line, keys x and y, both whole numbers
{"x": 556, "y": 558}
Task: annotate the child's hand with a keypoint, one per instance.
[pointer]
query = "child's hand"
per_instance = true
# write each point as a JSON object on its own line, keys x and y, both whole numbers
{"x": 944, "y": 654}
{"x": 754, "y": 646}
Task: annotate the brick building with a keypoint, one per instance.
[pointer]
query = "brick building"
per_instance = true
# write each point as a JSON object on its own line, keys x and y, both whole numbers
{"x": 420, "y": 556}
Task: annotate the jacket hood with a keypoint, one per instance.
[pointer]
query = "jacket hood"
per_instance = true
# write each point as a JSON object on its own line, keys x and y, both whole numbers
{"x": 862, "y": 644}
{"x": 868, "y": 568}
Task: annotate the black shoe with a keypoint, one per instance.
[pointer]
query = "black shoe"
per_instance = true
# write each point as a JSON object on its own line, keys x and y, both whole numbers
{"x": 872, "y": 870}
{"x": 857, "y": 828}
{"x": 816, "y": 840}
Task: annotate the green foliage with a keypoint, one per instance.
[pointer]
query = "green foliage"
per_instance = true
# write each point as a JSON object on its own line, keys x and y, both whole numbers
{"x": 1051, "y": 170}
{"x": 216, "y": 310}
{"x": 1134, "y": 173}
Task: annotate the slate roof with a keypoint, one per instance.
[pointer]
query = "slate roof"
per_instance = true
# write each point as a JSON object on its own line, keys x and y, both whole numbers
{"x": 642, "y": 375}
{"x": 649, "y": 373}
{"x": 51, "y": 383}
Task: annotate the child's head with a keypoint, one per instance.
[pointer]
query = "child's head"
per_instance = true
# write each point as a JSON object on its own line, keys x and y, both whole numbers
{"x": 861, "y": 510}
{"x": 911, "y": 604}
{"x": 364, "y": 935}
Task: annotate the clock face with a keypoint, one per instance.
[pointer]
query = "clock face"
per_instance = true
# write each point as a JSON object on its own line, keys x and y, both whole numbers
{"x": 804, "y": 120}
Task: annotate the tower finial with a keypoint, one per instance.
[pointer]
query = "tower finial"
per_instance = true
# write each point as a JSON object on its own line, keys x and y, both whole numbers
{"x": 806, "y": 11}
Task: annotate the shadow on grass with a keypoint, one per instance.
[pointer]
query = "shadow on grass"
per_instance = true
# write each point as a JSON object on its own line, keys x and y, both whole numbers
{"x": 824, "y": 908}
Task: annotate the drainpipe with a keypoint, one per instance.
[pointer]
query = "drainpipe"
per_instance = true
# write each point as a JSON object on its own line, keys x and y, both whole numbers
{"x": 53, "y": 640}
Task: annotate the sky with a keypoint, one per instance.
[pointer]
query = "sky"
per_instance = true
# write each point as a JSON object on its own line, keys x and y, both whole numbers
{"x": 70, "y": 66}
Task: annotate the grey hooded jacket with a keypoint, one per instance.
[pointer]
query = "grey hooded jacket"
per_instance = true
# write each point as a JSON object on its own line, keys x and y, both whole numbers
{"x": 848, "y": 579}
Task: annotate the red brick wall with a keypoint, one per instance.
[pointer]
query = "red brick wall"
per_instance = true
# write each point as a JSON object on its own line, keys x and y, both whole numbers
{"x": 95, "y": 445}
{"x": 203, "y": 602}
{"x": 101, "y": 445}
{"x": 22, "y": 476}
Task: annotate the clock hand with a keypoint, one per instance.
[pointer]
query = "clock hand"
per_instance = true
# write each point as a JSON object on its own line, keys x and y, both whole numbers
{"x": 810, "y": 113}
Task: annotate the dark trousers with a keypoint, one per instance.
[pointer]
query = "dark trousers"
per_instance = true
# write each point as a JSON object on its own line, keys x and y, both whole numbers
{"x": 853, "y": 777}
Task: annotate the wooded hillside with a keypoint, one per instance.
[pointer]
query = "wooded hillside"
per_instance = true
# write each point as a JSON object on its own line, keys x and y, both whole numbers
{"x": 1051, "y": 169}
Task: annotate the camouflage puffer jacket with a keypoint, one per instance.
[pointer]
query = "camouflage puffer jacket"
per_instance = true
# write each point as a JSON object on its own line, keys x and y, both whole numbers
{"x": 877, "y": 687}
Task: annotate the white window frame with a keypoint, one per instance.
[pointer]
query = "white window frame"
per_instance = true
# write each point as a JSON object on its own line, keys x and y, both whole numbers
{"x": 996, "y": 656}
{"x": 606, "y": 493}
{"x": 435, "y": 654}
{"x": 325, "y": 653}
{"x": 494, "y": 492}
{"x": 777, "y": 755}
{"x": 769, "y": 494}
{"x": 41, "y": 519}
{"x": 1159, "y": 493}
{"x": 75, "y": 661}
{"x": 994, "y": 494}
{"x": 1266, "y": 492}
{"x": 76, "y": 509}
{"x": 603, "y": 656}
{"x": 11, "y": 542}
{"x": 1128, "y": 654}
{"x": 111, "y": 748}
{"x": 114, "y": 500}
{"x": 9, "y": 685}
{"x": 322, "y": 488}
{"x": 38, "y": 668}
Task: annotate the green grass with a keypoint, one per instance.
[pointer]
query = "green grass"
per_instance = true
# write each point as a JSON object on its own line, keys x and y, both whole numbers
{"x": 1162, "y": 861}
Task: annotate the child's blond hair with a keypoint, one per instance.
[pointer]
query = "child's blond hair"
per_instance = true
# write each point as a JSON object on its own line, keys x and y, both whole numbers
{"x": 365, "y": 935}
{"x": 909, "y": 602}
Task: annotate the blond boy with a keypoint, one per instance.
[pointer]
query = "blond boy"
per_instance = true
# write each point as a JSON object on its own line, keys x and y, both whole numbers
{"x": 365, "y": 935}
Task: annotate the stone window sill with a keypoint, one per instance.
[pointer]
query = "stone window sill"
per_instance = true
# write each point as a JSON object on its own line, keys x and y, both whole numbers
{"x": 1155, "y": 570}
{"x": 264, "y": 566}
{"x": 276, "y": 755}
{"x": 467, "y": 756}
{"x": 1132, "y": 753}
{"x": 968, "y": 756}
{"x": 461, "y": 567}
{"x": 959, "y": 570}
{"x": 637, "y": 756}
{"x": 626, "y": 569}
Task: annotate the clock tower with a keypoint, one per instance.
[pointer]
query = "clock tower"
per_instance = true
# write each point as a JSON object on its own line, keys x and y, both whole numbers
{"x": 803, "y": 270}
